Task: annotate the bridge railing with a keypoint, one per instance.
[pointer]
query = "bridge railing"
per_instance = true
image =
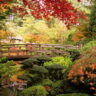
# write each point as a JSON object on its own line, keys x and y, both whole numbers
{"x": 25, "y": 50}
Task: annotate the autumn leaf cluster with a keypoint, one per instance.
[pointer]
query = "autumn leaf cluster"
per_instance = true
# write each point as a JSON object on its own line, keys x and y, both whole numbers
{"x": 84, "y": 70}
{"x": 60, "y": 9}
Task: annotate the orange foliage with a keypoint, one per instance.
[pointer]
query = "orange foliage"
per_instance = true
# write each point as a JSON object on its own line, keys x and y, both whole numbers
{"x": 85, "y": 75}
{"x": 84, "y": 70}
{"x": 80, "y": 32}
{"x": 78, "y": 36}
{"x": 4, "y": 34}
{"x": 14, "y": 77}
{"x": 37, "y": 38}
{"x": 4, "y": 6}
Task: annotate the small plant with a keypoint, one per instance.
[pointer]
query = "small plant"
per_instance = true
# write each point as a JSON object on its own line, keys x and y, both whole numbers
{"x": 35, "y": 91}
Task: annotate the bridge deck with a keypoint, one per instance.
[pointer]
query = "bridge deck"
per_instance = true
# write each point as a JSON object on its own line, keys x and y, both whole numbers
{"x": 29, "y": 50}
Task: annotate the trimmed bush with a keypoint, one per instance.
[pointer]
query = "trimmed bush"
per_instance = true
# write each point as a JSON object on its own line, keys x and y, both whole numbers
{"x": 28, "y": 63}
{"x": 38, "y": 60}
{"x": 42, "y": 59}
{"x": 34, "y": 91}
{"x": 39, "y": 69}
{"x": 55, "y": 67}
{"x": 26, "y": 76}
{"x": 58, "y": 66}
{"x": 47, "y": 82}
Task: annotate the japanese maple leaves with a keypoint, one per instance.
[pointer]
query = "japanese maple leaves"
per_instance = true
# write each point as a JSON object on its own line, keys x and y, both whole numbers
{"x": 39, "y": 9}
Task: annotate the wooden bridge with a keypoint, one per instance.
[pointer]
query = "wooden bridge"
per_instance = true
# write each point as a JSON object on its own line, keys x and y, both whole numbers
{"x": 27, "y": 50}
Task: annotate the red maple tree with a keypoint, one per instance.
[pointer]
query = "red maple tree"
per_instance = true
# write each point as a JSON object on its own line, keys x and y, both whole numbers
{"x": 39, "y": 9}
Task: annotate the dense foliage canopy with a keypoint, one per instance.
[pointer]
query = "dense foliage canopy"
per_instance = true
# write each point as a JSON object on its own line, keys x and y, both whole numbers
{"x": 39, "y": 9}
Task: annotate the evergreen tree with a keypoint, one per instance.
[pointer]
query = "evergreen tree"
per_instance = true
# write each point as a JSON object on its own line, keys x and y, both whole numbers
{"x": 91, "y": 30}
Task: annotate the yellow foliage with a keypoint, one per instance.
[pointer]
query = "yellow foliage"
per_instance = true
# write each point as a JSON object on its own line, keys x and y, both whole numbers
{"x": 4, "y": 34}
{"x": 33, "y": 38}
{"x": 14, "y": 77}
{"x": 20, "y": 72}
{"x": 40, "y": 32}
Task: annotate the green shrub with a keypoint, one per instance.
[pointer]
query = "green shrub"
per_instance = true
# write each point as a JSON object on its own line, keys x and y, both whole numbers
{"x": 42, "y": 59}
{"x": 58, "y": 66}
{"x": 74, "y": 94}
{"x": 88, "y": 46}
{"x": 31, "y": 78}
{"x": 55, "y": 67}
{"x": 35, "y": 91}
{"x": 3, "y": 60}
{"x": 64, "y": 61}
{"x": 87, "y": 57}
{"x": 38, "y": 60}
{"x": 83, "y": 72}
{"x": 55, "y": 72}
{"x": 7, "y": 70}
{"x": 47, "y": 82}
{"x": 40, "y": 73}
{"x": 68, "y": 87}
{"x": 39, "y": 69}
{"x": 26, "y": 76}
{"x": 74, "y": 54}
{"x": 57, "y": 88}
{"x": 28, "y": 63}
